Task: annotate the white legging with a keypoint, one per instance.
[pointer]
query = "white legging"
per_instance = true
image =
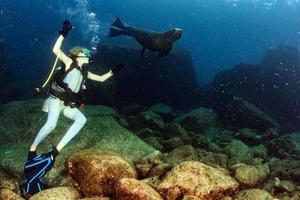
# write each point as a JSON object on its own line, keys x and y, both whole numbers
{"x": 55, "y": 106}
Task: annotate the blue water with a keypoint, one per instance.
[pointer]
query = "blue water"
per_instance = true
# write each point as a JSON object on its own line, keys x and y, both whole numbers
{"x": 217, "y": 33}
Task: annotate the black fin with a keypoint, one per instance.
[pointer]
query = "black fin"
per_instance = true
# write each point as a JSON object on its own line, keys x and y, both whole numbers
{"x": 114, "y": 32}
{"x": 118, "y": 23}
{"x": 142, "y": 52}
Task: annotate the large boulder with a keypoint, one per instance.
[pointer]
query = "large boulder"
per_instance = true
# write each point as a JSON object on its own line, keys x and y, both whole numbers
{"x": 238, "y": 152}
{"x": 286, "y": 146}
{"x": 132, "y": 189}
{"x": 96, "y": 171}
{"x": 58, "y": 193}
{"x": 250, "y": 175}
{"x": 253, "y": 194}
{"x": 181, "y": 154}
{"x": 196, "y": 179}
{"x": 271, "y": 86}
{"x": 198, "y": 120}
{"x": 7, "y": 194}
{"x": 147, "y": 119}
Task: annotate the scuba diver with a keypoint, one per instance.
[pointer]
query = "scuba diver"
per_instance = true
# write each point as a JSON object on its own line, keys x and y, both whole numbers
{"x": 66, "y": 93}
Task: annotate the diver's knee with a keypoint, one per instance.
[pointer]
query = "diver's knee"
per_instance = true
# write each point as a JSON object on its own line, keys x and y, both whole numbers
{"x": 81, "y": 119}
{"x": 50, "y": 127}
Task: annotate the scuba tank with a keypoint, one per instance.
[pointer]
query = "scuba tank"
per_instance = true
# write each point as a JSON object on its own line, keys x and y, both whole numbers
{"x": 57, "y": 88}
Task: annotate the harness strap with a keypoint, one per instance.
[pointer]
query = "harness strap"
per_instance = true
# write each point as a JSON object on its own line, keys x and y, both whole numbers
{"x": 65, "y": 93}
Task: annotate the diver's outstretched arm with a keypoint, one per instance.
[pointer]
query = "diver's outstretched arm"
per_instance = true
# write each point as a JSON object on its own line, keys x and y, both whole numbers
{"x": 102, "y": 78}
{"x": 67, "y": 26}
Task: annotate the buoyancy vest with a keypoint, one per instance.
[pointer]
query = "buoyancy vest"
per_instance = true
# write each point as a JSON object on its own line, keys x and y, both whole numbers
{"x": 59, "y": 89}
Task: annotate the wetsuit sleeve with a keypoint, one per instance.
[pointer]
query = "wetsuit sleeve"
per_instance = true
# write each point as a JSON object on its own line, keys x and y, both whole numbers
{"x": 102, "y": 78}
{"x": 58, "y": 52}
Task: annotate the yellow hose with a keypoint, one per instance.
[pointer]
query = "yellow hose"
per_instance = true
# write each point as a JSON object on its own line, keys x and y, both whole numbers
{"x": 38, "y": 90}
{"x": 50, "y": 75}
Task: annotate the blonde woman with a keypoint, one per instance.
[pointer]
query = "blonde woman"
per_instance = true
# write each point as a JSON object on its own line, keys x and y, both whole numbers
{"x": 65, "y": 95}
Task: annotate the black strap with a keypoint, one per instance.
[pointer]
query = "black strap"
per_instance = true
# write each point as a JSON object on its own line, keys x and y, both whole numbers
{"x": 68, "y": 96}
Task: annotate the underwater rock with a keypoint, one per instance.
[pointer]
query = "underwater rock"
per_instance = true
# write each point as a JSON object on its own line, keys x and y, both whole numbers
{"x": 172, "y": 143}
{"x": 96, "y": 198}
{"x": 213, "y": 147}
{"x": 7, "y": 194}
{"x": 295, "y": 174}
{"x": 286, "y": 146}
{"x": 152, "y": 166}
{"x": 150, "y": 81}
{"x": 236, "y": 147}
{"x": 181, "y": 154}
{"x": 21, "y": 121}
{"x": 238, "y": 152}
{"x": 214, "y": 159}
{"x": 133, "y": 189}
{"x": 199, "y": 141}
{"x": 284, "y": 186}
{"x": 294, "y": 138}
{"x": 271, "y": 133}
{"x": 285, "y": 169}
{"x": 159, "y": 170}
{"x": 8, "y": 182}
{"x": 147, "y": 119}
{"x": 96, "y": 171}
{"x": 146, "y": 132}
{"x": 249, "y": 175}
{"x": 133, "y": 109}
{"x": 61, "y": 193}
{"x": 154, "y": 142}
{"x": 253, "y": 194}
{"x": 260, "y": 151}
{"x": 196, "y": 179}
{"x": 227, "y": 198}
{"x": 9, "y": 89}
{"x": 189, "y": 197}
{"x": 176, "y": 130}
{"x": 143, "y": 169}
{"x": 287, "y": 196}
{"x": 272, "y": 86}
{"x": 220, "y": 136}
{"x": 152, "y": 181}
{"x": 197, "y": 120}
{"x": 248, "y": 136}
{"x": 254, "y": 114}
{"x": 163, "y": 110}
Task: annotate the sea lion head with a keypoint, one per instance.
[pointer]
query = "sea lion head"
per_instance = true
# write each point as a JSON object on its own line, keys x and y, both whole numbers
{"x": 174, "y": 34}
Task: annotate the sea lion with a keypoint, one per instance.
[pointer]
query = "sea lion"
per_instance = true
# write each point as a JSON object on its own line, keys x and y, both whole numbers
{"x": 153, "y": 41}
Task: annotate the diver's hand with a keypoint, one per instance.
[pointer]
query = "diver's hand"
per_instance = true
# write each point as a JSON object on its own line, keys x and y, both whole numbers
{"x": 117, "y": 68}
{"x": 67, "y": 26}
{"x": 37, "y": 91}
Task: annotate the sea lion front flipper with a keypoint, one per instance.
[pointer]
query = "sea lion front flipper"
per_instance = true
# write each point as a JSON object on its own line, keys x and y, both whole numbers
{"x": 165, "y": 51}
{"x": 142, "y": 52}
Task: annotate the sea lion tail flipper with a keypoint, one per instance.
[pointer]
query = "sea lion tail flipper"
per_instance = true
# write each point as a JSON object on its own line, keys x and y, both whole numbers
{"x": 114, "y": 32}
{"x": 118, "y": 23}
